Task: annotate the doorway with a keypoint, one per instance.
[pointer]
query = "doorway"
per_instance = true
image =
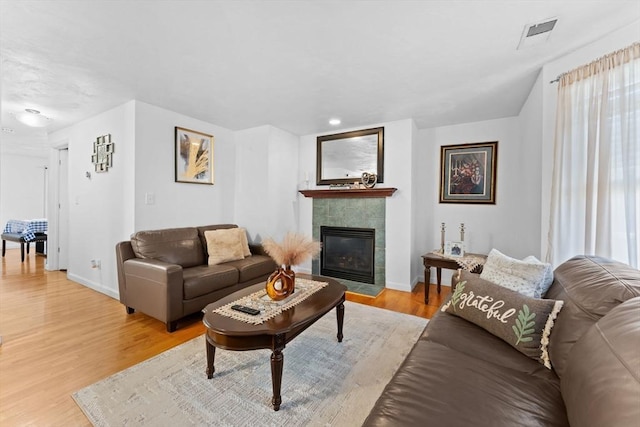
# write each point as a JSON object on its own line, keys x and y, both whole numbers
{"x": 58, "y": 234}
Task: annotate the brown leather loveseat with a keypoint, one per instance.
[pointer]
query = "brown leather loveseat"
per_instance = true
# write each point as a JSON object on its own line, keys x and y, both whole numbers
{"x": 458, "y": 374}
{"x": 166, "y": 275}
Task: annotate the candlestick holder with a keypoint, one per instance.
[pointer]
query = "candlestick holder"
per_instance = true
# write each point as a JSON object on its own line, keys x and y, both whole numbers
{"x": 442, "y": 228}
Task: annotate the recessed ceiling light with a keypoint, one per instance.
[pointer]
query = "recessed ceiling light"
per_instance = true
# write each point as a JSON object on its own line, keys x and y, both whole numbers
{"x": 8, "y": 130}
{"x": 334, "y": 122}
{"x": 32, "y": 118}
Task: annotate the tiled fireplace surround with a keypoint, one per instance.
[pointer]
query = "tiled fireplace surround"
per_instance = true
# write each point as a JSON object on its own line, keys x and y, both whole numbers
{"x": 358, "y": 213}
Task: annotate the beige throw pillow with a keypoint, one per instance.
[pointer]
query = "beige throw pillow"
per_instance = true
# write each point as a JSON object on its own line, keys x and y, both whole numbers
{"x": 245, "y": 242}
{"x": 224, "y": 245}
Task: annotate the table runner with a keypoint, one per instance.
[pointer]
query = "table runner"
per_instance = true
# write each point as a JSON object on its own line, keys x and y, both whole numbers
{"x": 268, "y": 307}
{"x": 468, "y": 262}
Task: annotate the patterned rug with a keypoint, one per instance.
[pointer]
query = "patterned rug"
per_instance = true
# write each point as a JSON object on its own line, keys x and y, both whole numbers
{"x": 324, "y": 382}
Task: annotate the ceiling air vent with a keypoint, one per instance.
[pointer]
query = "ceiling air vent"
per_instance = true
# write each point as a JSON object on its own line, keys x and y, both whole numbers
{"x": 537, "y": 33}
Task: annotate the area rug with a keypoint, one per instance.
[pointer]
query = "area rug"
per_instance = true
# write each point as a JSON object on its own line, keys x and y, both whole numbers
{"x": 324, "y": 382}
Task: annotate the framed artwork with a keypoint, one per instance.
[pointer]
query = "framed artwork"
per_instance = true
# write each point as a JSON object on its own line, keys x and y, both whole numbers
{"x": 194, "y": 156}
{"x": 468, "y": 173}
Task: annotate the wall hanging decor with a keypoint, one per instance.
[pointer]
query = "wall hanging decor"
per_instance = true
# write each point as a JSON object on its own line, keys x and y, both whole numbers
{"x": 343, "y": 157}
{"x": 102, "y": 153}
{"x": 468, "y": 173}
{"x": 194, "y": 156}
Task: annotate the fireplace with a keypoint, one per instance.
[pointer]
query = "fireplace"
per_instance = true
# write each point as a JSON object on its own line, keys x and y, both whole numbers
{"x": 348, "y": 253}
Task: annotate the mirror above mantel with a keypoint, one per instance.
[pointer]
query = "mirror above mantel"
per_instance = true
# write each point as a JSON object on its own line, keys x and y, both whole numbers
{"x": 343, "y": 157}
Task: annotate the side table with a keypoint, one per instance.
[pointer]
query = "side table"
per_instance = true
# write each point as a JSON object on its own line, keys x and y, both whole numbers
{"x": 439, "y": 262}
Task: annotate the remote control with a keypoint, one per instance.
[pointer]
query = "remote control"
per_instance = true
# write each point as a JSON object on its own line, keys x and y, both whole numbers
{"x": 248, "y": 310}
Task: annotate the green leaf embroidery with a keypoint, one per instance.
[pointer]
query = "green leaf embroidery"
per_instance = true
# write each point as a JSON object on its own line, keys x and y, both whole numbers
{"x": 455, "y": 298}
{"x": 524, "y": 325}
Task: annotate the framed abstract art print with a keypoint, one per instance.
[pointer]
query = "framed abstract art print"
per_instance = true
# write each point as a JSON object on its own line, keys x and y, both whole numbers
{"x": 194, "y": 156}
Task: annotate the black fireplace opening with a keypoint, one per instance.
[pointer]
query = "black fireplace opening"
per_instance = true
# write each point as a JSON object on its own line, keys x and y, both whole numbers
{"x": 348, "y": 253}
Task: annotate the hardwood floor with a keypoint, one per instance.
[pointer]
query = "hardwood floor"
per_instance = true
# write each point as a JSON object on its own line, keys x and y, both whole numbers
{"x": 59, "y": 336}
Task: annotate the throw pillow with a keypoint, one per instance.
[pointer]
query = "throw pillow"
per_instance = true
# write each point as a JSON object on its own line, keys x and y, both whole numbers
{"x": 245, "y": 242}
{"x": 511, "y": 273}
{"x": 547, "y": 279}
{"x": 524, "y": 323}
{"x": 224, "y": 245}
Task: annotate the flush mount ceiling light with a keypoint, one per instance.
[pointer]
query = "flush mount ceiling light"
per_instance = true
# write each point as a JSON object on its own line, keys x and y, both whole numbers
{"x": 33, "y": 118}
{"x": 334, "y": 122}
{"x": 537, "y": 33}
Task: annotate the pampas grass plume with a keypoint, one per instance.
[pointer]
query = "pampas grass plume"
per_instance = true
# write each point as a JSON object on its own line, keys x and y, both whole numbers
{"x": 294, "y": 249}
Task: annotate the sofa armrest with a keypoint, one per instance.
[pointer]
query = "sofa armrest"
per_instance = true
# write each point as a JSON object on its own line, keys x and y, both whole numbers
{"x": 124, "y": 252}
{"x": 154, "y": 287}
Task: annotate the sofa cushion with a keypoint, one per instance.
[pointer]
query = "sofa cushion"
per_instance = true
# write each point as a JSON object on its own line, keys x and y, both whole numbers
{"x": 547, "y": 279}
{"x": 245, "y": 242}
{"x": 601, "y": 385}
{"x": 204, "y": 279}
{"x": 253, "y": 267}
{"x": 224, "y": 245}
{"x": 590, "y": 287}
{"x": 203, "y": 228}
{"x": 521, "y": 276}
{"x": 180, "y": 246}
{"x": 458, "y": 374}
{"x": 523, "y": 322}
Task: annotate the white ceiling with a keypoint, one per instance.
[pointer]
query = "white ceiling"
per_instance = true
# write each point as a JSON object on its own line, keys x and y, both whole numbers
{"x": 291, "y": 64}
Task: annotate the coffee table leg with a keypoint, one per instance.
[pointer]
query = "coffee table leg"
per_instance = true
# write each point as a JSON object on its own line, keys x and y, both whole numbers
{"x": 211, "y": 354}
{"x": 340, "y": 316}
{"x": 277, "y": 361}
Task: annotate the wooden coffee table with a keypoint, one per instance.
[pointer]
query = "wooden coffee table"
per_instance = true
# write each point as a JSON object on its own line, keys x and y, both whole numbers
{"x": 230, "y": 334}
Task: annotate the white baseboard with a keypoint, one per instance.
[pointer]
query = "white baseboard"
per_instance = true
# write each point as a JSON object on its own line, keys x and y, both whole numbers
{"x": 398, "y": 286}
{"x": 93, "y": 285}
{"x": 414, "y": 282}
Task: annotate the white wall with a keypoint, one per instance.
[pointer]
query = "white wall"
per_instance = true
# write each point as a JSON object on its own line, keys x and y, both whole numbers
{"x": 398, "y": 150}
{"x": 109, "y": 207}
{"x": 281, "y": 206}
{"x": 418, "y": 222}
{"x": 616, "y": 40}
{"x": 530, "y": 123}
{"x": 507, "y": 225}
{"x": 266, "y": 176}
{"x": 178, "y": 204}
{"x": 101, "y": 210}
{"x": 22, "y": 194}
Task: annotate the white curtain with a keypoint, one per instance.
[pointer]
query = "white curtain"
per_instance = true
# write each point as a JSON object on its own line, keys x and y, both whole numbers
{"x": 595, "y": 200}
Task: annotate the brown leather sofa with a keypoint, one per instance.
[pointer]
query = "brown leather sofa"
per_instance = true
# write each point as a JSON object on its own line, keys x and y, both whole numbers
{"x": 457, "y": 374}
{"x": 165, "y": 273}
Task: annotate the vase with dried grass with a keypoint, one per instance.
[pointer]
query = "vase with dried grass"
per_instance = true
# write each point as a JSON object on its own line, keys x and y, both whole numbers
{"x": 294, "y": 249}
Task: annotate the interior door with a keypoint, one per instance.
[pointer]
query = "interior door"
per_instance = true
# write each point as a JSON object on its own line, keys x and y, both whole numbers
{"x": 63, "y": 210}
